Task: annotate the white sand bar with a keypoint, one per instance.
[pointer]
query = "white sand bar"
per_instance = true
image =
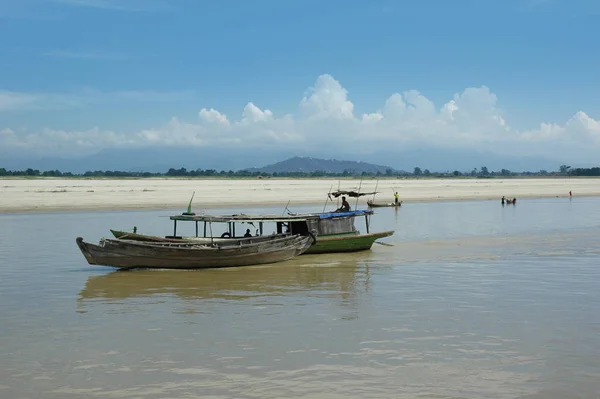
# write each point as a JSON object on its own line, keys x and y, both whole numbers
{"x": 26, "y": 195}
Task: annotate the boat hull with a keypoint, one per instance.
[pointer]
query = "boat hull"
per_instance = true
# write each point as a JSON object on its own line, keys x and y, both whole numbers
{"x": 128, "y": 254}
{"x": 346, "y": 242}
{"x": 381, "y": 205}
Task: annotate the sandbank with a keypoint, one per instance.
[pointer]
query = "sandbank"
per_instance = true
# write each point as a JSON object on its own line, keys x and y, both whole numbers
{"x": 55, "y": 194}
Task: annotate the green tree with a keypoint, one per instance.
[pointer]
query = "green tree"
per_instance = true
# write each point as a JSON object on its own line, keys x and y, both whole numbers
{"x": 564, "y": 169}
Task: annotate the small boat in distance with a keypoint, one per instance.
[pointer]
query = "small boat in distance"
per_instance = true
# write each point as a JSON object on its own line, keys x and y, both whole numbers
{"x": 372, "y": 204}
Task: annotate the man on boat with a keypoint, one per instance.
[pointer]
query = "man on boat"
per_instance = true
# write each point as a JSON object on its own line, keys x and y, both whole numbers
{"x": 345, "y": 206}
{"x": 396, "y": 197}
{"x": 248, "y": 234}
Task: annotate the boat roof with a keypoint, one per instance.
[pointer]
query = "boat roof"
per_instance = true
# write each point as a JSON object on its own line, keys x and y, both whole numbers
{"x": 295, "y": 217}
{"x": 351, "y": 193}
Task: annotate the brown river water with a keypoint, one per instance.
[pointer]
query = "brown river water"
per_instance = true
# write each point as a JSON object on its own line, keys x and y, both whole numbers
{"x": 469, "y": 300}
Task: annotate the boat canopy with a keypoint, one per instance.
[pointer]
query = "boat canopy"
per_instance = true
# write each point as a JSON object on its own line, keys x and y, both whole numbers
{"x": 330, "y": 215}
{"x": 303, "y": 217}
{"x": 354, "y": 194}
{"x": 238, "y": 218}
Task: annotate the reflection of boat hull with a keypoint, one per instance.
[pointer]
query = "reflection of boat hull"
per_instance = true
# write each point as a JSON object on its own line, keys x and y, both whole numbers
{"x": 381, "y": 205}
{"x": 126, "y": 254}
{"x": 331, "y": 243}
{"x": 342, "y": 274}
{"x": 345, "y": 242}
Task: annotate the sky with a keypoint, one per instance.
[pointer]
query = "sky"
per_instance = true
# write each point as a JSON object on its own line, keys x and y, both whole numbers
{"x": 515, "y": 77}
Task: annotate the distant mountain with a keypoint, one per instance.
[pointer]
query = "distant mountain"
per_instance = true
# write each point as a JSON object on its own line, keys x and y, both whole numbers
{"x": 309, "y": 165}
{"x": 160, "y": 159}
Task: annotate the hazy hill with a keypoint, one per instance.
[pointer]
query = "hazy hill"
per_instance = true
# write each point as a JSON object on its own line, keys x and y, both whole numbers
{"x": 160, "y": 159}
{"x": 309, "y": 164}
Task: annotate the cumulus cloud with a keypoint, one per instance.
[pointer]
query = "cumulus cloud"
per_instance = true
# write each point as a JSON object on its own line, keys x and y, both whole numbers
{"x": 213, "y": 116}
{"x": 327, "y": 100}
{"x": 326, "y": 118}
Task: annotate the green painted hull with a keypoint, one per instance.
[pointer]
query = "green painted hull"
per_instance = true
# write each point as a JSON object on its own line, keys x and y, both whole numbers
{"x": 345, "y": 242}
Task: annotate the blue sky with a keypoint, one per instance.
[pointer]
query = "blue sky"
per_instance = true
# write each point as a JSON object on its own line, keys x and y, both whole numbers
{"x": 123, "y": 66}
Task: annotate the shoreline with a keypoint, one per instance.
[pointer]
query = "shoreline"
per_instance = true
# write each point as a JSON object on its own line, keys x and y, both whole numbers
{"x": 61, "y": 195}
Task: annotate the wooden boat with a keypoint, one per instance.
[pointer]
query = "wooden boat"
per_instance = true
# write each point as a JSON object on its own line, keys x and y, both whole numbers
{"x": 372, "y": 204}
{"x": 130, "y": 254}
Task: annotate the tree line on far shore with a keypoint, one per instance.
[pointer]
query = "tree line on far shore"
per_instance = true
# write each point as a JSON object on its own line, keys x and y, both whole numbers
{"x": 483, "y": 172}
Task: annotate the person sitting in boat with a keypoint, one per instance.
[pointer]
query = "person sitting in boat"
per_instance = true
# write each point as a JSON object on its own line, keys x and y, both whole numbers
{"x": 248, "y": 234}
{"x": 345, "y": 206}
{"x": 396, "y": 197}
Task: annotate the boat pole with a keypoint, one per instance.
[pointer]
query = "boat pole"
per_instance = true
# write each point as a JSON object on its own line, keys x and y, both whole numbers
{"x": 358, "y": 196}
{"x": 328, "y": 198}
{"x": 375, "y": 192}
{"x": 286, "y": 208}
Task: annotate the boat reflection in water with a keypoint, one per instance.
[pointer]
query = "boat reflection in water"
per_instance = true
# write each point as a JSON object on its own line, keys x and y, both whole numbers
{"x": 339, "y": 276}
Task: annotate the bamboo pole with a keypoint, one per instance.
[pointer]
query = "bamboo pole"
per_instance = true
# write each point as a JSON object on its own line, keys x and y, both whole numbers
{"x": 327, "y": 199}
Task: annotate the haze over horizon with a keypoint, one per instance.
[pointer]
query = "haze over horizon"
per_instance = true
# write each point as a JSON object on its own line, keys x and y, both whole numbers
{"x": 236, "y": 85}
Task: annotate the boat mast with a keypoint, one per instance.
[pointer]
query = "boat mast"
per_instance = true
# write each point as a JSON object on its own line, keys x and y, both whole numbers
{"x": 358, "y": 196}
{"x": 375, "y": 192}
{"x": 328, "y": 198}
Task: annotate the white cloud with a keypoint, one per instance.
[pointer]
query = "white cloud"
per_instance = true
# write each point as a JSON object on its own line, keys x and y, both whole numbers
{"x": 326, "y": 119}
{"x": 327, "y": 100}
{"x": 213, "y": 116}
{"x": 254, "y": 114}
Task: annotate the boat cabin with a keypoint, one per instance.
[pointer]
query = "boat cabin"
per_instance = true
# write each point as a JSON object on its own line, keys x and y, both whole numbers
{"x": 319, "y": 224}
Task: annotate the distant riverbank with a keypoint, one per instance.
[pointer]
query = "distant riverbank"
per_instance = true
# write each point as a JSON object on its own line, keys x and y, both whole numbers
{"x": 46, "y": 195}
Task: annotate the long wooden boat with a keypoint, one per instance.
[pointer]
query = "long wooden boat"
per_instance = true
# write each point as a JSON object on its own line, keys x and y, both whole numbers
{"x": 130, "y": 254}
{"x": 372, "y": 204}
